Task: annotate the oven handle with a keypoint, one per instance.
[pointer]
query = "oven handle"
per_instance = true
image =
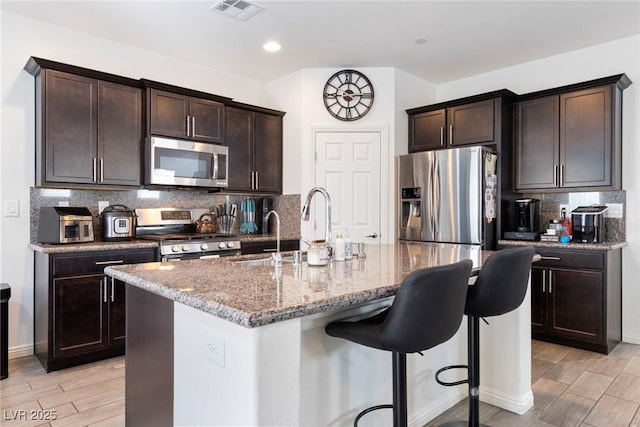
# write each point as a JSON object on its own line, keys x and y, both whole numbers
{"x": 209, "y": 256}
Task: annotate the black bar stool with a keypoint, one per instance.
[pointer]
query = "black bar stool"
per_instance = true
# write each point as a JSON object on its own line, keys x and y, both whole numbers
{"x": 499, "y": 289}
{"x": 426, "y": 312}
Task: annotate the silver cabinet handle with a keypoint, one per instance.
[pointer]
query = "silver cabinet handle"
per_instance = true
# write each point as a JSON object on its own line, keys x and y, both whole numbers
{"x": 104, "y": 288}
{"x": 94, "y": 168}
{"x": 257, "y": 181}
{"x": 551, "y": 258}
{"x": 450, "y": 134}
{"x": 544, "y": 283}
{"x": 113, "y": 290}
{"x": 441, "y": 135}
{"x": 188, "y": 126}
{"x": 119, "y": 261}
{"x": 555, "y": 175}
{"x": 253, "y": 185}
{"x": 101, "y": 170}
{"x": 550, "y": 282}
{"x": 193, "y": 126}
{"x": 561, "y": 175}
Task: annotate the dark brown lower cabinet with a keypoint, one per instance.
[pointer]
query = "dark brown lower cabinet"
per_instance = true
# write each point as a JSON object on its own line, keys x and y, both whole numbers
{"x": 80, "y": 312}
{"x": 576, "y": 298}
{"x": 258, "y": 247}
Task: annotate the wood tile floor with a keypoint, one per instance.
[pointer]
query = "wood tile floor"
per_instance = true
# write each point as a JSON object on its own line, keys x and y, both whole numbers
{"x": 571, "y": 388}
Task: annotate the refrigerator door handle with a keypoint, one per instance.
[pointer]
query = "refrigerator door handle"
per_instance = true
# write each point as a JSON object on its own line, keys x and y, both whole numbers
{"x": 437, "y": 194}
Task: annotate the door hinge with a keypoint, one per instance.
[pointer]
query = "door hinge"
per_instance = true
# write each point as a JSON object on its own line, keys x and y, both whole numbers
{"x": 315, "y": 156}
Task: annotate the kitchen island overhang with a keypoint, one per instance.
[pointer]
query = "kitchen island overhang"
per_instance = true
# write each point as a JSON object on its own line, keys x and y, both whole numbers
{"x": 248, "y": 344}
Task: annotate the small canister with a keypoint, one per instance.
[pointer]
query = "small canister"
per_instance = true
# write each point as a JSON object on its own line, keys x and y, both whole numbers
{"x": 318, "y": 254}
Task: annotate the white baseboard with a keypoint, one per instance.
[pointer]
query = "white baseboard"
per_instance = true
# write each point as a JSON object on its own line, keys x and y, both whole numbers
{"x": 519, "y": 406}
{"x": 631, "y": 338}
{"x": 20, "y": 351}
{"x": 436, "y": 408}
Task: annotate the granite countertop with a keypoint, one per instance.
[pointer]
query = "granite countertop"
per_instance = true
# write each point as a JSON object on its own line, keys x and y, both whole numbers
{"x": 253, "y": 296}
{"x": 605, "y": 246}
{"x": 48, "y": 248}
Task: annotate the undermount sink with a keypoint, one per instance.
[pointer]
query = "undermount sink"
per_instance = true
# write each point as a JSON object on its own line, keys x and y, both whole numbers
{"x": 266, "y": 261}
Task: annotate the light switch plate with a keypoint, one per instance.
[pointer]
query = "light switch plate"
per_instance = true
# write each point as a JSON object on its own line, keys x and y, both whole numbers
{"x": 11, "y": 208}
{"x": 614, "y": 211}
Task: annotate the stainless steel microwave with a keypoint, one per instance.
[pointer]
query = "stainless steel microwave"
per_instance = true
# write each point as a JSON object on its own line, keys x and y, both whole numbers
{"x": 186, "y": 163}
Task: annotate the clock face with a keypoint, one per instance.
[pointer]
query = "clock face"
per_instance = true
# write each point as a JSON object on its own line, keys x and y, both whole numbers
{"x": 348, "y": 95}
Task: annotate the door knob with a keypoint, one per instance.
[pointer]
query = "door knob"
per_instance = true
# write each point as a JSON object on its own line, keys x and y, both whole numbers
{"x": 373, "y": 236}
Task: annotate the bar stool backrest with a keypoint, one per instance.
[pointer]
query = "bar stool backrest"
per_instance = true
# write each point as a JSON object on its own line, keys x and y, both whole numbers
{"x": 427, "y": 309}
{"x": 501, "y": 284}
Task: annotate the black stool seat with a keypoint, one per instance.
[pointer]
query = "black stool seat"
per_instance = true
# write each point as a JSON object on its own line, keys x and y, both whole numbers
{"x": 500, "y": 288}
{"x": 426, "y": 312}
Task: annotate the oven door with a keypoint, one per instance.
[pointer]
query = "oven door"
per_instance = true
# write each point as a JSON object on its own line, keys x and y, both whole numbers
{"x": 186, "y": 163}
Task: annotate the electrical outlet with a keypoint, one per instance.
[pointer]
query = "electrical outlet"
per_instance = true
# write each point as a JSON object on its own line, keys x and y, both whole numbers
{"x": 213, "y": 349}
{"x": 63, "y": 203}
{"x": 566, "y": 208}
{"x": 101, "y": 206}
{"x": 614, "y": 211}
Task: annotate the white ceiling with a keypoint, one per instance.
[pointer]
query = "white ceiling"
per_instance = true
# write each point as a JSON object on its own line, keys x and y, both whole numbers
{"x": 463, "y": 38}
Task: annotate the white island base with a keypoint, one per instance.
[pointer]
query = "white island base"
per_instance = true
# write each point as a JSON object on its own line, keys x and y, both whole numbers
{"x": 290, "y": 373}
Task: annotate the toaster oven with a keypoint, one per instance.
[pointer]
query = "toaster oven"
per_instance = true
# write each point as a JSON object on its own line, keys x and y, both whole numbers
{"x": 65, "y": 225}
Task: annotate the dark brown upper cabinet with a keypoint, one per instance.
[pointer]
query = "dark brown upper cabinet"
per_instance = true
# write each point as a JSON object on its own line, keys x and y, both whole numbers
{"x": 474, "y": 120}
{"x": 181, "y": 116}
{"x": 88, "y": 127}
{"x": 570, "y": 138}
{"x": 254, "y": 137}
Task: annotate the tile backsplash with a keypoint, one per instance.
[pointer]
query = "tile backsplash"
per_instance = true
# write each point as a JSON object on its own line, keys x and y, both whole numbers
{"x": 615, "y": 228}
{"x": 287, "y": 206}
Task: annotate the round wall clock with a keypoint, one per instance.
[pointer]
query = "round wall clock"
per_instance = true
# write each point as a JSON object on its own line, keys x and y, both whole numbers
{"x": 348, "y": 95}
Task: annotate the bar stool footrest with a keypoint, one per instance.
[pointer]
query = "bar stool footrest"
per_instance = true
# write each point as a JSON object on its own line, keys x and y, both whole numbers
{"x": 460, "y": 423}
{"x": 370, "y": 409}
{"x": 451, "y": 383}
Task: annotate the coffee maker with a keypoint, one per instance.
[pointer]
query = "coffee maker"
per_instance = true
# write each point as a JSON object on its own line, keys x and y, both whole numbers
{"x": 527, "y": 220}
{"x": 265, "y": 204}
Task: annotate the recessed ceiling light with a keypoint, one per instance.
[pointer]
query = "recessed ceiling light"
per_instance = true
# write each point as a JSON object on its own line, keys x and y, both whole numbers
{"x": 421, "y": 41}
{"x": 272, "y": 46}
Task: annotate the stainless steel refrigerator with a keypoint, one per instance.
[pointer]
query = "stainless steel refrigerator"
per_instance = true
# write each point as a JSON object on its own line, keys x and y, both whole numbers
{"x": 448, "y": 196}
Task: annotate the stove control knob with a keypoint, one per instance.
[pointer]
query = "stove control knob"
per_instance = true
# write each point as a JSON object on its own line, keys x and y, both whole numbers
{"x": 204, "y": 246}
{"x": 230, "y": 244}
{"x": 175, "y": 248}
{"x": 185, "y": 248}
{"x": 221, "y": 245}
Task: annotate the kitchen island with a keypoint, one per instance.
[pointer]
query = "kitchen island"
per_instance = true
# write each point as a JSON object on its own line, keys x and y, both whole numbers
{"x": 229, "y": 342}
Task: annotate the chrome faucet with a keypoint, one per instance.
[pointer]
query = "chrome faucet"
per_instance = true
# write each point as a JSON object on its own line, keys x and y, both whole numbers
{"x": 304, "y": 215}
{"x": 276, "y": 258}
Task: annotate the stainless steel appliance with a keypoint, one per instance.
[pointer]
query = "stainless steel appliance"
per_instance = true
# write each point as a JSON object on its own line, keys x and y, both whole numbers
{"x": 527, "y": 225}
{"x": 118, "y": 223}
{"x": 177, "y": 162}
{"x": 587, "y": 224}
{"x": 175, "y": 230}
{"x": 65, "y": 225}
{"x": 448, "y": 196}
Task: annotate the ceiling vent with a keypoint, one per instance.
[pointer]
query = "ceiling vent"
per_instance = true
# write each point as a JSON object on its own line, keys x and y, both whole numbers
{"x": 238, "y": 9}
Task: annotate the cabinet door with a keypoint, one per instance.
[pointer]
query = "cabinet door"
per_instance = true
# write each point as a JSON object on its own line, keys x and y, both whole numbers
{"x": 117, "y": 312}
{"x": 585, "y": 138}
{"x": 538, "y": 299}
{"x": 267, "y": 160}
{"x": 169, "y": 113}
{"x": 471, "y": 123}
{"x": 427, "y": 130}
{"x": 537, "y": 143}
{"x": 207, "y": 120}
{"x": 119, "y": 134}
{"x": 70, "y": 128}
{"x": 239, "y": 137}
{"x": 576, "y": 304}
{"x": 78, "y": 315}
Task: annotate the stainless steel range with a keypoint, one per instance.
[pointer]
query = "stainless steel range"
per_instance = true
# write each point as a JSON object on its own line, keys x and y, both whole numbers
{"x": 175, "y": 230}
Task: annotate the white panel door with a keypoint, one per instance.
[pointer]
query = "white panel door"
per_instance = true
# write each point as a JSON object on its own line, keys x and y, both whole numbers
{"x": 348, "y": 166}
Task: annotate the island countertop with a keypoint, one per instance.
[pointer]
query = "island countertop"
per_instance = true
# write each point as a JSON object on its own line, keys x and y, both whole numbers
{"x": 253, "y": 296}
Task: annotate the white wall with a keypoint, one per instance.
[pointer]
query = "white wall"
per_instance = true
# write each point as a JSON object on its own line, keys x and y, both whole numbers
{"x": 621, "y": 56}
{"x": 22, "y": 38}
